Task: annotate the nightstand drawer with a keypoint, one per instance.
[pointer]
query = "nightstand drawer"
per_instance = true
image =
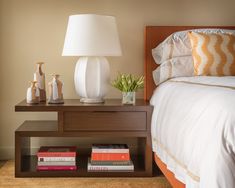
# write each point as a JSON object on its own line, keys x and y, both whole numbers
{"x": 104, "y": 121}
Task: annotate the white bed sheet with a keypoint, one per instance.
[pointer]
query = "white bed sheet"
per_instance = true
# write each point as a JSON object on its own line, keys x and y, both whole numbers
{"x": 193, "y": 129}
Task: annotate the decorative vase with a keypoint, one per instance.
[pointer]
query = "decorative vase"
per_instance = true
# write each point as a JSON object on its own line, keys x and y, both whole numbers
{"x": 128, "y": 97}
{"x": 39, "y": 76}
{"x": 33, "y": 94}
{"x": 55, "y": 91}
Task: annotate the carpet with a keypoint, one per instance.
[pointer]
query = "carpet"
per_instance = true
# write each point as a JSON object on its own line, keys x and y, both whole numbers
{"x": 7, "y": 180}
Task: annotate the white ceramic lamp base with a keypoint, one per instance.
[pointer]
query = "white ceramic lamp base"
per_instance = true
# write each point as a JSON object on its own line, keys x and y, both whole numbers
{"x": 91, "y": 78}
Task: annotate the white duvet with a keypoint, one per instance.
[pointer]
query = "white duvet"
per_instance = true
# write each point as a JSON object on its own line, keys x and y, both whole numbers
{"x": 193, "y": 130}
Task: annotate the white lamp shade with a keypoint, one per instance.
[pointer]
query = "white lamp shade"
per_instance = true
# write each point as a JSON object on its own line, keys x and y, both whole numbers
{"x": 91, "y": 35}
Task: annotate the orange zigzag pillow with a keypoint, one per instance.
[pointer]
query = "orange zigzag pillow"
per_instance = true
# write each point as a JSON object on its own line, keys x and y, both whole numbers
{"x": 213, "y": 54}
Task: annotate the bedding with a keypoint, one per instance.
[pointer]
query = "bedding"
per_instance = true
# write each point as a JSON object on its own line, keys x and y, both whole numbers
{"x": 213, "y": 54}
{"x": 178, "y": 44}
{"x": 193, "y": 129}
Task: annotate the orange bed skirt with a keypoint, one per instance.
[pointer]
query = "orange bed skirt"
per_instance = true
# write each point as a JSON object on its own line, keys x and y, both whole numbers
{"x": 169, "y": 175}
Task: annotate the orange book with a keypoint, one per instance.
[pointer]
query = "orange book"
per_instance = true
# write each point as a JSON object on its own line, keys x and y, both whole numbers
{"x": 110, "y": 156}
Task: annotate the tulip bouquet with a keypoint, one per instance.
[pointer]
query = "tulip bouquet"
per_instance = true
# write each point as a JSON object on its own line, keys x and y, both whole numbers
{"x": 128, "y": 82}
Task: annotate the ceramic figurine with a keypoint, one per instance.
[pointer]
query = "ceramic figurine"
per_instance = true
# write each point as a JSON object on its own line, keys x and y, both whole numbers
{"x": 55, "y": 91}
{"x": 39, "y": 76}
{"x": 33, "y": 93}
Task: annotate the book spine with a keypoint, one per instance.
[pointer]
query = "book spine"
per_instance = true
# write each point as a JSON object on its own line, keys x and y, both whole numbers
{"x": 100, "y": 163}
{"x": 96, "y": 150}
{"x": 41, "y": 168}
{"x": 56, "y": 159}
{"x": 56, "y": 154}
{"x": 46, "y": 148}
{"x": 111, "y": 168}
{"x": 110, "y": 156}
{"x": 56, "y": 163}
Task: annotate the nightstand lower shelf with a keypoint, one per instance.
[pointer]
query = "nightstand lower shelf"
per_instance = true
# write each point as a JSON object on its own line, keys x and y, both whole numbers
{"x": 26, "y": 164}
{"x": 29, "y": 164}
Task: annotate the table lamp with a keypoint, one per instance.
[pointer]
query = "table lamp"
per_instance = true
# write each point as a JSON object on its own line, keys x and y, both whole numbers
{"x": 92, "y": 38}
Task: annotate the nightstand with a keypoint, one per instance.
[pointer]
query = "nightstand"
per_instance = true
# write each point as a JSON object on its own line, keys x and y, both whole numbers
{"x": 110, "y": 120}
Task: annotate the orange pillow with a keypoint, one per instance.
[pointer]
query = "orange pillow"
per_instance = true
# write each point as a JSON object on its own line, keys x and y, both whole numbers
{"x": 213, "y": 54}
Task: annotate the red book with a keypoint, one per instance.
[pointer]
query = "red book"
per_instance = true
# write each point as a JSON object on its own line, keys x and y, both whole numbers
{"x": 52, "y": 168}
{"x": 110, "y": 156}
{"x": 57, "y": 151}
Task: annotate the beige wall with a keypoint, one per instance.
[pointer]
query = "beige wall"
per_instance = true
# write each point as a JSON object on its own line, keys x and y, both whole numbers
{"x": 33, "y": 30}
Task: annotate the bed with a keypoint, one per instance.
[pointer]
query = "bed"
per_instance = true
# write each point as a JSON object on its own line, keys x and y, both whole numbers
{"x": 177, "y": 171}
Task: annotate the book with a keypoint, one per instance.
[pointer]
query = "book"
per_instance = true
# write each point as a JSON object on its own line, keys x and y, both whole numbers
{"x": 110, "y": 162}
{"x": 56, "y": 158}
{"x": 57, "y": 151}
{"x": 91, "y": 167}
{"x": 110, "y": 148}
{"x": 110, "y": 156}
{"x": 52, "y": 168}
{"x": 56, "y": 163}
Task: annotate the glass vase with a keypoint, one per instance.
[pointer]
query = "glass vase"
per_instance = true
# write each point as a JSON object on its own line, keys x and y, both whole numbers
{"x": 55, "y": 91}
{"x": 128, "y": 97}
{"x": 33, "y": 93}
{"x": 39, "y": 76}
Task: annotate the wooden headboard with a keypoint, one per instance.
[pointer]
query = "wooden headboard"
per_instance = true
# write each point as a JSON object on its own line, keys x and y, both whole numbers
{"x": 154, "y": 35}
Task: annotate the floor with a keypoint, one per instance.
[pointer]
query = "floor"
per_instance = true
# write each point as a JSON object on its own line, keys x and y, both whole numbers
{"x": 7, "y": 180}
{"x": 2, "y": 163}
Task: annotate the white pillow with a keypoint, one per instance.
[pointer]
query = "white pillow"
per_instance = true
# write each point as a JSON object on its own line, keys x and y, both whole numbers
{"x": 175, "y": 67}
{"x": 178, "y": 44}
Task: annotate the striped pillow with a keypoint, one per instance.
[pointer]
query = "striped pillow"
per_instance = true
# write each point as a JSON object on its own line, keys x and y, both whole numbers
{"x": 213, "y": 54}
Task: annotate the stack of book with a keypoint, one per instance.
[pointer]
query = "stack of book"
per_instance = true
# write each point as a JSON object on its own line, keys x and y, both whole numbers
{"x": 56, "y": 158}
{"x": 110, "y": 157}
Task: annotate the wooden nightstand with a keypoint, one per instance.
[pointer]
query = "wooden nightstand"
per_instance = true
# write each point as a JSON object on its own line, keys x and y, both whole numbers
{"x": 111, "y": 119}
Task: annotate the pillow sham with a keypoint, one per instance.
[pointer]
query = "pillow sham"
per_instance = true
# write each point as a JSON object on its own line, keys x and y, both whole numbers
{"x": 213, "y": 54}
{"x": 175, "y": 67}
{"x": 178, "y": 44}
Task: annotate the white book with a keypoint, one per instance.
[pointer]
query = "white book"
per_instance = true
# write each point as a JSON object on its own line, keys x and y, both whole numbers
{"x": 110, "y": 148}
{"x": 91, "y": 167}
{"x": 56, "y": 163}
{"x": 56, "y": 158}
